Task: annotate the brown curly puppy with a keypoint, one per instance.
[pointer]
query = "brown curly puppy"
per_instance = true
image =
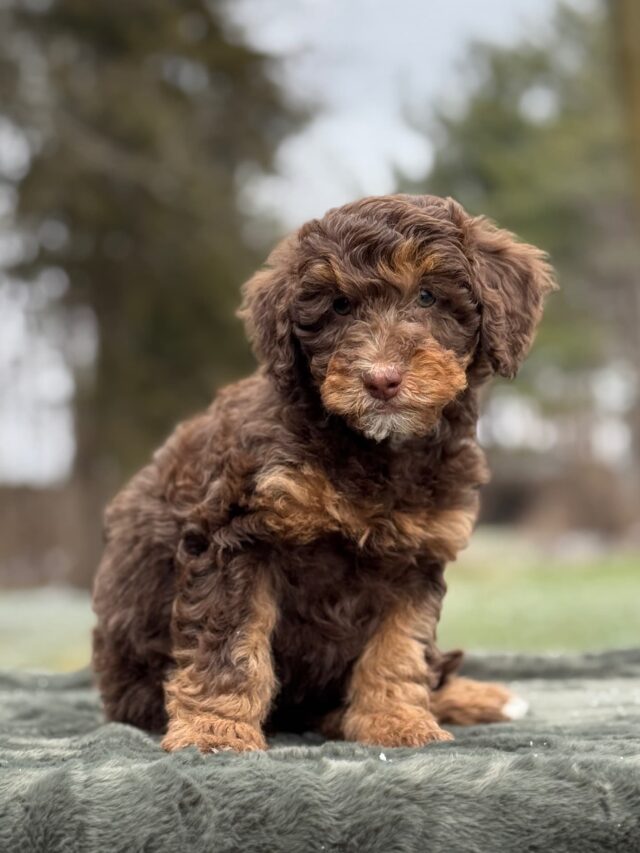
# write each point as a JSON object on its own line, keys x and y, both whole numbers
{"x": 280, "y": 561}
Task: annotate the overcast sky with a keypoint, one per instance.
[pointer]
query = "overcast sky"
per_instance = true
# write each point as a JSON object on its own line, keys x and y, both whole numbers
{"x": 368, "y": 64}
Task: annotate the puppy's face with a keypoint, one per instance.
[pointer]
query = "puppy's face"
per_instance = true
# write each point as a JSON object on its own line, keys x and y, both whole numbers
{"x": 388, "y": 328}
{"x": 384, "y": 304}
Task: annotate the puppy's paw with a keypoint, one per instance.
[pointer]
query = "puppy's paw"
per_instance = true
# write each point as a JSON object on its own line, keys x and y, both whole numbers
{"x": 466, "y": 702}
{"x": 398, "y": 727}
{"x": 213, "y": 735}
{"x": 515, "y": 708}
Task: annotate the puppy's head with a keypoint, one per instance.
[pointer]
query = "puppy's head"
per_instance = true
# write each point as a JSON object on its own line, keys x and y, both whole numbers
{"x": 384, "y": 305}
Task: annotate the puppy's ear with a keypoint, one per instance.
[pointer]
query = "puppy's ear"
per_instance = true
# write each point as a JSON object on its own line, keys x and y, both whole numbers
{"x": 510, "y": 280}
{"x": 265, "y": 312}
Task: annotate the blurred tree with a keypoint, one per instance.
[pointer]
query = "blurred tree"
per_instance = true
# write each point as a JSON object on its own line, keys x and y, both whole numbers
{"x": 625, "y": 17}
{"x": 140, "y": 124}
{"x": 539, "y": 146}
{"x": 140, "y": 128}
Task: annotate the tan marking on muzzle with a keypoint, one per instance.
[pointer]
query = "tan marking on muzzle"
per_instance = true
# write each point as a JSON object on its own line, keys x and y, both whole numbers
{"x": 433, "y": 377}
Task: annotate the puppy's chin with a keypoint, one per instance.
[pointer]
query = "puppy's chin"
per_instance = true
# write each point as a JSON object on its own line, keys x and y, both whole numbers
{"x": 396, "y": 425}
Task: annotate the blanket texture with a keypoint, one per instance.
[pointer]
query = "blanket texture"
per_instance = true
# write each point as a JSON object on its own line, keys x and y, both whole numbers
{"x": 567, "y": 777}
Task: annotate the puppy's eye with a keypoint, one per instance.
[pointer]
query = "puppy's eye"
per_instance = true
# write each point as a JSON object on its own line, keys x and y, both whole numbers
{"x": 425, "y": 298}
{"x": 341, "y": 305}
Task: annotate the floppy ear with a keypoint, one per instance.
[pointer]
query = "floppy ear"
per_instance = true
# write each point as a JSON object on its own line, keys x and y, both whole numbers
{"x": 510, "y": 280}
{"x": 265, "y": 311}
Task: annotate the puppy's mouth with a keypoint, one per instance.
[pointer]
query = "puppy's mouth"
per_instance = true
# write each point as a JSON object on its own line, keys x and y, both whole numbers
{"x": 390, "y": 400}
{"x": 387, "y": 407}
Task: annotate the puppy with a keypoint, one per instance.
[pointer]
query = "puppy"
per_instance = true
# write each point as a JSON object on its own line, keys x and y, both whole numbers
{"x": 279, "y": 563}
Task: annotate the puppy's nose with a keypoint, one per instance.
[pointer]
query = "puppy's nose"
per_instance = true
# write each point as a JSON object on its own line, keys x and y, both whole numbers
{"x": 383, "y": 383}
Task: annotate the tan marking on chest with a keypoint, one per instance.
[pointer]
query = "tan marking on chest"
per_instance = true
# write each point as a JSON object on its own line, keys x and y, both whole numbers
{"x": 300, "y": 505}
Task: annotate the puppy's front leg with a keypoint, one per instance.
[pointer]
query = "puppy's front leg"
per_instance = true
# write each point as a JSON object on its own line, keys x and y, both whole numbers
{"x": 219, "y": 693}
{"x": 388, "y": 698}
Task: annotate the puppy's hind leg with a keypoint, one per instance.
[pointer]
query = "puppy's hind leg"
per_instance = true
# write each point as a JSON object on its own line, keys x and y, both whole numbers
{"x": 465, "y": 702}
{"x": 132, "y": 597}
{"x": 131, "y": 687}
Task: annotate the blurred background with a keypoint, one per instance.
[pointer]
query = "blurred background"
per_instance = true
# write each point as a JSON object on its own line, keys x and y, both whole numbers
{"x": 150, "y": 155}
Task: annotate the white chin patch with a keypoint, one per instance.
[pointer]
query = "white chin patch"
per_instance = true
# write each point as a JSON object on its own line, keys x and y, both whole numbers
{"x": 515, "y": 708}
{"x": 378, "y": 430}
{"x": 379, "y": 427}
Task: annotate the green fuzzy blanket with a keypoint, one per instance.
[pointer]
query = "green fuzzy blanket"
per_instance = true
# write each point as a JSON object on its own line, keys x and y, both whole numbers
{"x": 567, "y": 777}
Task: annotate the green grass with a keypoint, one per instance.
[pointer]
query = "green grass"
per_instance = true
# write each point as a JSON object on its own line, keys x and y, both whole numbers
{"x": 48, "y": 628}
{"x": 504, "y": 594}
{"x": 519, "y": 601}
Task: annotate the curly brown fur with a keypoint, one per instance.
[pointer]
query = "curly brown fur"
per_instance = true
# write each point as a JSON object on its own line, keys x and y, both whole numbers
{"x": 280, "y": 561}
